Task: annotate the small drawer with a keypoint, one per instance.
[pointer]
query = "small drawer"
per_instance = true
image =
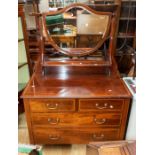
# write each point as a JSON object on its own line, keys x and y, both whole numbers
{"x": 100, "y": 105}
{"x": 52, "y": 105}
{"x": 75, "y": 120}
{"x": 74, "y": 136}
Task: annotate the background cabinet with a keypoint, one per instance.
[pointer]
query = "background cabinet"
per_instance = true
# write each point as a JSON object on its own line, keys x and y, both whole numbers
{"x": 24, "y": 66}
{"x": 23, "y": 73}
{"x": 126, "y": 38}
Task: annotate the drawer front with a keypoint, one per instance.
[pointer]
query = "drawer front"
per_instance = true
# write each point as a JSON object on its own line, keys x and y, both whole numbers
{"x": 74, "y": 136}
{"x": 52, "y": 105}
{"x": 75, "y": 119}
{"x": 100, "y": 105}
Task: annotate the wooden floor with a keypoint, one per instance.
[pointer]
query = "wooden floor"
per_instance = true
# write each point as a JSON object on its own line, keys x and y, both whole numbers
{"x": 65, "y": 150}
{"x": 23, "y": 138}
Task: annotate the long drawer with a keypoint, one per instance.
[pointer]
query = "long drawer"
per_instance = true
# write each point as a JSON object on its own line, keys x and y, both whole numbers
{"x": 52, "y": 105}
{"x": 74, "y": 135}
{"x": 75, "y": 119}
{"x": 101, "y": 104}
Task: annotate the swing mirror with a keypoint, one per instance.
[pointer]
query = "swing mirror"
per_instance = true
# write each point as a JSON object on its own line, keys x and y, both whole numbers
{"x": 76, "y": 30}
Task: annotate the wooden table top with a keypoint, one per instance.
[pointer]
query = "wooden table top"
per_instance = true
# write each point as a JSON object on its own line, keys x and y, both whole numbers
{"x": 61, "y": 83}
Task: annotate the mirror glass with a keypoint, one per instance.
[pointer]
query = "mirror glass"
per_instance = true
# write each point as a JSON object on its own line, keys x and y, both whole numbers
{"x": 77, "y": 29}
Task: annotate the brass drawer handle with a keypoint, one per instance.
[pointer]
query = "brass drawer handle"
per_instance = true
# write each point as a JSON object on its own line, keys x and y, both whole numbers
{"x": 101, "y": 121}
{"x": 52, "y": 108}
{"x": 99, "y": 107}
{"x": 54, "y": 137}
{"x": 53, "y": 122}
{"x": 95, "y": 137}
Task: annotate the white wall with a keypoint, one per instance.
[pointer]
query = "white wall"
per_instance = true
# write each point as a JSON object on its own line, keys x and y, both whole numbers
{"x": 131, "y": 129}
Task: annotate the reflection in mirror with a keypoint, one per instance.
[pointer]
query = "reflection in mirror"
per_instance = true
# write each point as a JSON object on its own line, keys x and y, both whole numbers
{"x": 77, "y": 29}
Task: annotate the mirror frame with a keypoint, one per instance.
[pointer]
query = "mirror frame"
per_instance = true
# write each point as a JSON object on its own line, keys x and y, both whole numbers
{"x": 79, "y": 51}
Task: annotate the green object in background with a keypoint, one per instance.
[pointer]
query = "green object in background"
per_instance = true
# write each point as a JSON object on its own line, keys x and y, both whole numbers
{"x": 23, "y": 72}
{"x": 52, "y": 20}
{"x": 25, "y": 148}
{"x": 21, "y": 86}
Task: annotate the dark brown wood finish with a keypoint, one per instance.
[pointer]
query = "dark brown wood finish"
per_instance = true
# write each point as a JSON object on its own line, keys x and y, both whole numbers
{"x": 20, "y": 103}
{"x": 73, "y": 135}
{"x": 65, "y": 85}
{"x": 101, "y": 105}
{"x": 28, "y": 118}
{"x": 62, "y": 106}
{"x": 54, "y": 105}
{"x": 78, "y": 103}
{"x": 76, "y": 119}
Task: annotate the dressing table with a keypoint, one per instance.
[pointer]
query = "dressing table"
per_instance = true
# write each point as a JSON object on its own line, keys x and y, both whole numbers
{"x": 75, "y": 95}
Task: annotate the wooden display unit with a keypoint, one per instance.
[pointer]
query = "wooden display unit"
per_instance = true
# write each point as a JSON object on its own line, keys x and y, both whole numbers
{"x": 33, "y": 40}
{"x": 21, "y": 15}
{"x": 123, "y": 57}
{"x": 126, "y": 38}
{"x": 23, "y": 63}
{"x": 74, "y": 96}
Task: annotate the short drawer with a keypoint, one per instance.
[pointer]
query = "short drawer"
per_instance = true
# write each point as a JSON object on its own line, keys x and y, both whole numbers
{"x": 74, "y": 136}
{"x": 100, "y": 105}
{"x": 52, "y": 105}
{"x": 75, "y": 120}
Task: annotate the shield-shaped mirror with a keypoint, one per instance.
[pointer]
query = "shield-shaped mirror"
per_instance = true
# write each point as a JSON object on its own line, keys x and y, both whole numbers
{"x": 77, "y": 30}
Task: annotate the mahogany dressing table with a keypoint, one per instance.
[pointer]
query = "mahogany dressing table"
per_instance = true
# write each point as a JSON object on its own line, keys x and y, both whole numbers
{"x": 75, "y": 95}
